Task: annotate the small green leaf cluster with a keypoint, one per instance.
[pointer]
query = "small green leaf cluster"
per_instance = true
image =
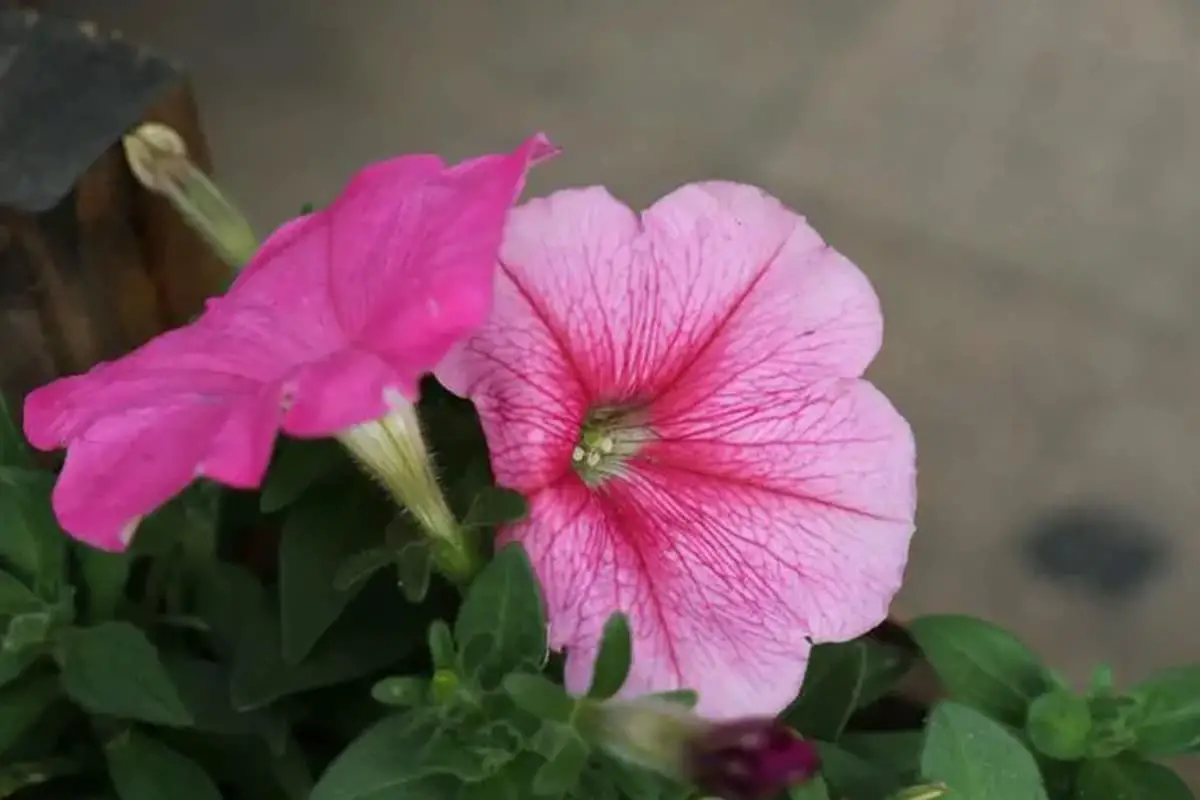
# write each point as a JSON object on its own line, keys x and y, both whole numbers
{"x": 488, "y": 721}
{"x": 1012, "y": 728}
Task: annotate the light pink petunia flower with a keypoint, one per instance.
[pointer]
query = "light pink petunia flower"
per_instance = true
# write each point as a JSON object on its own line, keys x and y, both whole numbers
{"x": 331, "y": 325}
{"x": 680, "y": 397}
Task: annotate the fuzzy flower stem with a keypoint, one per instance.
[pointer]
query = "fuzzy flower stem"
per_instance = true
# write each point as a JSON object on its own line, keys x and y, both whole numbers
{"x": 158, "y": 158}
{"x": 393, "y": 450}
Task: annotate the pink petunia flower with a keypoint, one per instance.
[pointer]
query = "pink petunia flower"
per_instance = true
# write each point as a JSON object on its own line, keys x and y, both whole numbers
{"x": 329, "y": 328}
{"x": 680, "y": 397}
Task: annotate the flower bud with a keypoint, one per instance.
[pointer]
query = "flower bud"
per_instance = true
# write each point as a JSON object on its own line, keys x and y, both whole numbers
{"x": 158, "y": 159}
{"x": 750, "y": 759}
{"x": 746, "y": 759}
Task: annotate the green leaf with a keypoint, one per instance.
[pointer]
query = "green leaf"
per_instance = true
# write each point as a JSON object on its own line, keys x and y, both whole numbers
{"x": 850, "y": 775}
{"x": 539, "y": 696}
{"x": 297, "y": 466}
{"x": 28, "y": 631}
{"x": 322, "y": 530}
{"x": 886, "y": 665}
{"x": 1169, "y": 720}
{"x": 104, "y": 577}
{"x": 561, "y": 772}
{"x": 33, "y": 544}
{"x": 13, "y": 665}
{"x": 144, "y": 769}
{"x": 816, "y": 789}
{"x": 897, "y": 751}
{"x": 1102, "y": 680}
{"x": 15, "y": 778}
{"x": 613, "y": 660}
{"x": 495, "y": 744}
{"x": 1112, "y": 731}
{"x": 495, "y": 505}
{"x": 497, "y": 787}
{"x": 504, "y": 603}
{"x": 925, "y": 791}
{"x": 978, "y": 758}
{"x": 390, "y": 757}
{"x": 355, "y": 569}
{"x": 13, "y": 450}
{"x": 981, "y": 665}
{"x": 401, "y": 691}
{"x": 203, "y": 686}
{"x": 832, "y": 685}
{"x": 15, "y": 596}
{"x": 186, "y": 524}
{"x": 22, "y": 704}
{"x": 444, "y": 686}
{"x": 414, "y": 566}
{"x": 1129, "y": 778}
{"x": 1059, "y": 724}
{"x": 377, "y": 629}
{"x": 113, "y": 669}
{"x": 441, "y": 645}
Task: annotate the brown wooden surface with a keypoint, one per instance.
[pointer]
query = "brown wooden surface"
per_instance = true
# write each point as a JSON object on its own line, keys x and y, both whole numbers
{"x": 109, "y": 265}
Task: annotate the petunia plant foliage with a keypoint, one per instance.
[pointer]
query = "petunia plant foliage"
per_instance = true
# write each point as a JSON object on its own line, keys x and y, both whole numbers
{"x": 457, "y": 495}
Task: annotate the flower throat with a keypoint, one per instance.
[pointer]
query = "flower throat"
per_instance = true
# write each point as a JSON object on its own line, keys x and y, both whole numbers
{"x": 607, "y": 439}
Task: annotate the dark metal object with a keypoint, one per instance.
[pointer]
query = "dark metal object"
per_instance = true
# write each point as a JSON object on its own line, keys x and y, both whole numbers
{"x": 67, "y": 92}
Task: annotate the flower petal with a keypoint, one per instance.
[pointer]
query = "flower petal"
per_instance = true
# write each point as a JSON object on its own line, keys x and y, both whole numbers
{"x": 725, "y": 581}
{"x": 836, "y": 459}
{"x": 127, "y": 465}
{"x": 690, "y": 565}
{"x": 138, "y": 430}
{"x": 630, "y": 305}
{"x": 535, "y": 365}
{"x": 430, "y": 237}
{"x": 768, "y": 290}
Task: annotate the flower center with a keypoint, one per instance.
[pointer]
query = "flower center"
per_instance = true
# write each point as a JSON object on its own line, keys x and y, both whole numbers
{"x": 607, "y": 439}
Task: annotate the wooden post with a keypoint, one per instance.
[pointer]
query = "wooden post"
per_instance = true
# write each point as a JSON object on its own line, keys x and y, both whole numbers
{"x": 91, "y": 264}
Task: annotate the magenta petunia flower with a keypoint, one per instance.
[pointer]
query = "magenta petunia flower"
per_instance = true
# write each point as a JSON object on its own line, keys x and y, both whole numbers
{"x": 680, "y": 397}
{"x": 330, "y": 325}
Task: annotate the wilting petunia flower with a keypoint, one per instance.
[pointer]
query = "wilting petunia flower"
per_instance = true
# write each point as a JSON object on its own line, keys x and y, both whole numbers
{"x": 679, "y": 396}
{"x": 329, "y": 327}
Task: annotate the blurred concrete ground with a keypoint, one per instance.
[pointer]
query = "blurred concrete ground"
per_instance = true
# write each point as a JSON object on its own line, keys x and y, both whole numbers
{"x": 1021, "y": 180}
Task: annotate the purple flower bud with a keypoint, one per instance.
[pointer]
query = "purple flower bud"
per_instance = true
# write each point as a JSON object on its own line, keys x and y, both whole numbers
{"x": 750, "y": 759}
{"x": 747, "y": 759}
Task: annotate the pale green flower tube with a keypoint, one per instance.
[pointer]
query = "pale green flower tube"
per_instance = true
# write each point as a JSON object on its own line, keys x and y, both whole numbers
{"x": 393, "y": 450}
